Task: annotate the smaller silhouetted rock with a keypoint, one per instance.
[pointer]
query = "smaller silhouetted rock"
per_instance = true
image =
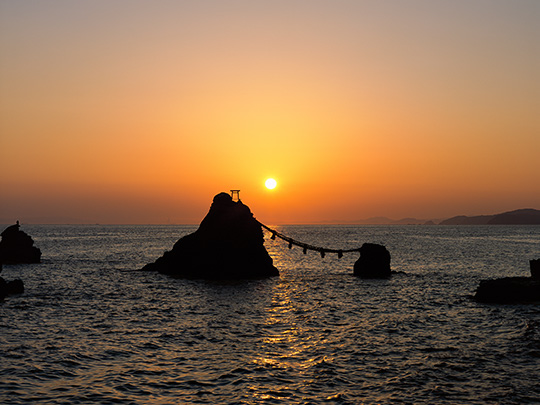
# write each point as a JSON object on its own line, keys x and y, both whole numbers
{"x": 508, "y": 290}
{"x": 18, "y": 247}
{"x": 374, "y": 262}
{"x": 535, "y": 268}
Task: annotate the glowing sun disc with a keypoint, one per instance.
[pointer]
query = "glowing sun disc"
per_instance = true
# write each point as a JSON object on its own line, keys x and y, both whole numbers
{"x": 270, "y": 184}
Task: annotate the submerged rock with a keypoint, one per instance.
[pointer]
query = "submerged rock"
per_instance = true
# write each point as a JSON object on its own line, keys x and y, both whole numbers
{"x": 18, "y": 247}
{"x": 229, "y": 244}
{"x": 374, "y": 262}
{"x": 10, "y": 287}
{"x": 509, "y": 290}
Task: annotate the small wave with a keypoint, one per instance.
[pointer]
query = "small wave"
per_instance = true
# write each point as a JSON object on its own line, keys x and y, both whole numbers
{"x": 196, "y": 383}
{"x": 431, "y": 349}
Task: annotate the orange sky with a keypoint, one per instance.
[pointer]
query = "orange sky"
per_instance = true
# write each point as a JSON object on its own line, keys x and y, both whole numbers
{"x": 142, "y": 111}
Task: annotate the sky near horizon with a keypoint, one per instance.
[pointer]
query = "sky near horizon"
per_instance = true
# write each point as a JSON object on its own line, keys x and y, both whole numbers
{"x": 141, "y": 111}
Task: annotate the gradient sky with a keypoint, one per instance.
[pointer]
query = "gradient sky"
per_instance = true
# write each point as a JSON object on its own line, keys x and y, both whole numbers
{"x": 141, "y": 111}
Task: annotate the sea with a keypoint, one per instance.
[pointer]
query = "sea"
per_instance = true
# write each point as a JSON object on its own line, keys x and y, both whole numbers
{"x": 91, "y": 328}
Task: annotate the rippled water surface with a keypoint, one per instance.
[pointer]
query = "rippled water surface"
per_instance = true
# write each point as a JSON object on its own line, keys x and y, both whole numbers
{"x": 91, "y": 329}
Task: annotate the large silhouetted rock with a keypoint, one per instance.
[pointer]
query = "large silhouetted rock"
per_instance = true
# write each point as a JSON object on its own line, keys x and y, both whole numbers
{"x": 229, "y": 244}
{"x": 18, "y": 247}
{"x": 374, "y": 262}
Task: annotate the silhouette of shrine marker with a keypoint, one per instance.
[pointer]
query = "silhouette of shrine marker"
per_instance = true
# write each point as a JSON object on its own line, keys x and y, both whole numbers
{"x": 235, "y": 193}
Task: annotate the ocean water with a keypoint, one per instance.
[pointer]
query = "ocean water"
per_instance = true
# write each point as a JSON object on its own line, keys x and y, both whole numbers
{"x": 90, "y": 328}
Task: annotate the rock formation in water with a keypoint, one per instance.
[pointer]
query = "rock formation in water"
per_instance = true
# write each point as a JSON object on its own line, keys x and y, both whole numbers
{"x": 535, "y": 269}
{"x": 10, "y": 287}
{"x": 374, "y": 262}
{"x": 3, "y": 289}
{"x": 18, "y": 247}
{"x": 229, "y": 244}
{"x": 510, "y": 290}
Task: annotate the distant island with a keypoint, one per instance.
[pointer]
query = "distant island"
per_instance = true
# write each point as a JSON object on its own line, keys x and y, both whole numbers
{"x": 527, "y": 216}
{"x": 389, "y": 221}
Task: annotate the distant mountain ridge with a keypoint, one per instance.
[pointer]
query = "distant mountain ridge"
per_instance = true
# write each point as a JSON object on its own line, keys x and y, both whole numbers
{"x": 389, "y": 221}
{"x": 526, "y": 216}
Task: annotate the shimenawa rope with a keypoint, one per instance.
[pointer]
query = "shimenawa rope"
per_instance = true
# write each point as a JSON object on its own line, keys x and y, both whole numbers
{"x": 306, "y": 246}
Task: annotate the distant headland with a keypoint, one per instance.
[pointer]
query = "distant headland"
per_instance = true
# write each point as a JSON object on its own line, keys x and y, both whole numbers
{"x": 527, "y": 216}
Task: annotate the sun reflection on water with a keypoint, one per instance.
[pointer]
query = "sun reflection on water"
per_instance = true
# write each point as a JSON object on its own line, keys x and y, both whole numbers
{"x": 287, "y": 353}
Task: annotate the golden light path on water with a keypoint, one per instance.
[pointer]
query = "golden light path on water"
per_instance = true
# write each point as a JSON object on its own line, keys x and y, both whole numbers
{"x": 291, "y": 345}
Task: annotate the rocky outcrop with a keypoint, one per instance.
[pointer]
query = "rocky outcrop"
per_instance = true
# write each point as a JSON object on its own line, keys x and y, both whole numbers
{"x": 509, "y": 290}
{"x": 374, "y": 262}
{"x": 535, "y": 268}
{"x": 10, "y": 287}
{"x": 18, "y": 247}
{"x": 229, "y": 244}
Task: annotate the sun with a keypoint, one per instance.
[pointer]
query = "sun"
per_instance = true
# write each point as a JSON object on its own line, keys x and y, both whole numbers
{"x": 270, "y": 184}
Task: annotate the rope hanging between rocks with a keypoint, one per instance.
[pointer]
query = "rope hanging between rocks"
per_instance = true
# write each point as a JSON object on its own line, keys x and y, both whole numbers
{"x": 306, "y": 246}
